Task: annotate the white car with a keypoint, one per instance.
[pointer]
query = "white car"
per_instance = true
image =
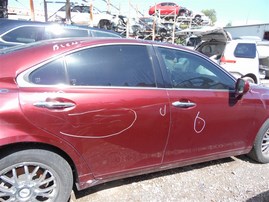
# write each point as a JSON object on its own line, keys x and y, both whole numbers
{"x": 80, "y": 14}
{"x": 200, "y": 18}
{"x": 240, "y": 57}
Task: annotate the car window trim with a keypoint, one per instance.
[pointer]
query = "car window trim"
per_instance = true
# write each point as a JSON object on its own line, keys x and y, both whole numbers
{"x": 167, "y": 80}
{"x": 22, "y": 77}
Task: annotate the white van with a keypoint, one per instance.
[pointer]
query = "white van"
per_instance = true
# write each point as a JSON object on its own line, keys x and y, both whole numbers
{"x": 244, "y": 58}
{"x": 240, "y": 57}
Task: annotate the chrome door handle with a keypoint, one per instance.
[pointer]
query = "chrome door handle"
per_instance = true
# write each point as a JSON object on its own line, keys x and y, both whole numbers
{"x": 183, "y": 104}
{"x": 54, "y": 105}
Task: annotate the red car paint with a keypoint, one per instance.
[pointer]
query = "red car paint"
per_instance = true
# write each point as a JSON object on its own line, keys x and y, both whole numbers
{"x": 165, "y": 8}
{"x": 115, "y": 132}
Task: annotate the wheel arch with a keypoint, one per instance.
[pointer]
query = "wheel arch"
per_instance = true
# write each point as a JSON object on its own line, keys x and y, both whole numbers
{"x": 255, "y": 152}
{"x": 20, "y": 146}
{"x": 253, "y": 76}
{"x": 80, "y": 170}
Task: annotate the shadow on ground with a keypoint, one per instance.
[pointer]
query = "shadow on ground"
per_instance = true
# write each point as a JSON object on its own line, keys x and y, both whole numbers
{"x": 263, "y": 197}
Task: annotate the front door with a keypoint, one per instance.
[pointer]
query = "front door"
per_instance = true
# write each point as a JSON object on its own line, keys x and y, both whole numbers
{"x": 206, "y": 119}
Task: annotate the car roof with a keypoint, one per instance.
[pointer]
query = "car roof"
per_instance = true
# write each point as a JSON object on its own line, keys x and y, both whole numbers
{"x": 62, "y": 45}
{"x": 45, "y": 50}
{"x": 7, "y": 24}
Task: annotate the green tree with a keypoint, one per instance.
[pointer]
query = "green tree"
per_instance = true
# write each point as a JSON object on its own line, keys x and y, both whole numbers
{"x": 211, "y": 13}
{"x": 229, "y": 24}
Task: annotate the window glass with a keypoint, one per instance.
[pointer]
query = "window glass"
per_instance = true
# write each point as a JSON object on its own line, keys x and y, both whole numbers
{"x": 52, "y": 73}
{"x": 60, "y": 32}
{"x": 119, "y": 65}
{"x": 245, "y": 50}
{"x": 187, "y": 70}
{"x": 96, "y": 33}
{"x": 26, "y": 34}
{"x": 81, "y": 9}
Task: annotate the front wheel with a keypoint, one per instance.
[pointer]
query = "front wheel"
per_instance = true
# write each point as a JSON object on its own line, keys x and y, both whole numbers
{"x": 35, "y": 175}
{"x": 260, "y": 150}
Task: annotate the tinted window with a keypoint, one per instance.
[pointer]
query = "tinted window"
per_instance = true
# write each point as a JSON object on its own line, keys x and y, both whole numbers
{"x": 120, "y": 65}
{"x": 187, "y": 70}
{"x": 52, "y": 73}
{"x": 245, "y": 50}
{"x": 24, "y": 34}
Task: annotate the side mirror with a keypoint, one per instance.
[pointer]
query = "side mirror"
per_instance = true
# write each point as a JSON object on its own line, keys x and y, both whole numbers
{"x": 241, "y": 87}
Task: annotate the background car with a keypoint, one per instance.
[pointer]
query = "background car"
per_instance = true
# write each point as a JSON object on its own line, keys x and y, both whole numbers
{"x": 80, "y": 14}
{"x": 200, "y": 19}
{"x": 88, "y": 111}
{"x": 167, "y": 9}
{"x": 147, "y": 23}
{"x": 15, "y": 32}
{"x": 243, "y": 57}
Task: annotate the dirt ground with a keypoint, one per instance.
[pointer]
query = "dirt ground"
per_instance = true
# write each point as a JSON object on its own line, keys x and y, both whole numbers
{"x": 230, "y": 179}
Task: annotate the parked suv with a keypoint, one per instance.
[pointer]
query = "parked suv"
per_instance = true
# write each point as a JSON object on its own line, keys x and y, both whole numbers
{"x": 241, "y": 57}
{"x": 15, "y": 32}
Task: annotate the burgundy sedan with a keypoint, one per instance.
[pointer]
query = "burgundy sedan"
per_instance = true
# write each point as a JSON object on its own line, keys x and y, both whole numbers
{"x": 87, "y": 111}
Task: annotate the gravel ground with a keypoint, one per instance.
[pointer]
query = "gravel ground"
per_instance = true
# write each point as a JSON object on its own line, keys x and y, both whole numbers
{"x": 230, "y": 179}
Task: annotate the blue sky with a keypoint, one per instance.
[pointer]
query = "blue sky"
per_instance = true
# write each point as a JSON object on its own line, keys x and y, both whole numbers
{"x": 238, "y": 12}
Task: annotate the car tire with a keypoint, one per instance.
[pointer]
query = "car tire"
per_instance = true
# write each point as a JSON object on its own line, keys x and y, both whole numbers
{"x": 35, "y": 175}
{"x": 162, "y": 32}
{"x": 260, "y": 150}
{"x": 105, "y": 24}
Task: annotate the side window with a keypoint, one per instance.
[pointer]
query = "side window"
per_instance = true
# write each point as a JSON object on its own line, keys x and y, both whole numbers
{"x": 52, "y": 73}
{"x": 112, "y": 65}
{"x": 187, "y": 70}
{"x": 26, "y": 34}
{"x": 245, "y": 50}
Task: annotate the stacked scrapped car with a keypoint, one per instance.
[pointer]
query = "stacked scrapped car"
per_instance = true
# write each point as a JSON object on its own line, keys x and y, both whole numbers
{"x": 80, "y": 14}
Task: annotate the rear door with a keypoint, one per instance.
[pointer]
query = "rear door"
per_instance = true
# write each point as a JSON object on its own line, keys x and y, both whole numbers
{"x": 109, "y": 107}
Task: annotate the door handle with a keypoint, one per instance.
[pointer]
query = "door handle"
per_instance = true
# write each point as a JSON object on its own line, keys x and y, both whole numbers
{"x": 183, "y": 104}
{"x": 54, "y": 105}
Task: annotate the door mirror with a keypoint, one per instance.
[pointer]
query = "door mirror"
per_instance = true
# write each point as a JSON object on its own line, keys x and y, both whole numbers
{"x": 241, "y": 87}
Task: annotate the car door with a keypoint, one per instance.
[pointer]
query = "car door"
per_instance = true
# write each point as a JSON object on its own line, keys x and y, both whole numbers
{"x": 109, "y": 106}
{"x": 206, "y": 119}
